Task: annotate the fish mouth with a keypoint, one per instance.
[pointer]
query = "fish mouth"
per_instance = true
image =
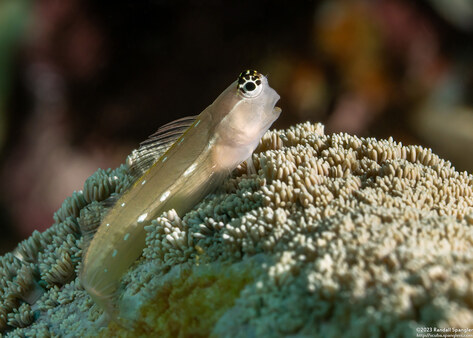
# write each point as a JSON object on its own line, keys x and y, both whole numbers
{"x": 277, "y": 110}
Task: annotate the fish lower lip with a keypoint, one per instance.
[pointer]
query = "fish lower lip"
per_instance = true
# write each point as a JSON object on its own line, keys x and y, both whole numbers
{"x": 277, "y": 110}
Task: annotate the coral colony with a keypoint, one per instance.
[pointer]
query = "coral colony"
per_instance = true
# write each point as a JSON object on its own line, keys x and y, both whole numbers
{"x": 334, "y": 234}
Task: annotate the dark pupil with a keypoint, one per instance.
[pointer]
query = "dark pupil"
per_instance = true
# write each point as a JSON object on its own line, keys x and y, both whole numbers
{"x": 250, "y": 86}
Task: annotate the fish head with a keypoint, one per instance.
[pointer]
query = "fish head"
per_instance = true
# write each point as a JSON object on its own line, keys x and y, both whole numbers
{"x": 258, "y": 99}
{"x": 242, "y": 114}
{"x": 247, "y": 109}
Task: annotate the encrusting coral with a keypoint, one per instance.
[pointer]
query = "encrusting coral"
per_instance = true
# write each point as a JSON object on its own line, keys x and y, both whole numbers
{"x": 335, "y": 235}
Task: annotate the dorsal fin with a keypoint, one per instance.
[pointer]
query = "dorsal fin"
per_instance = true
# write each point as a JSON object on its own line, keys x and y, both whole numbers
{"x": 150, "y": 150}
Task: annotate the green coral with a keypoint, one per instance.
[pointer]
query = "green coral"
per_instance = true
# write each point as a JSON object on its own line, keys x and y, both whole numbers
{"x": 335, "y": 235}
{"x": 36, "y": 278}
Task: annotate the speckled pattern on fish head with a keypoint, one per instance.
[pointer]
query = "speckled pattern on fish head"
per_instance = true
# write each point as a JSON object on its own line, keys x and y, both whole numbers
{"x": 249, "y": 83}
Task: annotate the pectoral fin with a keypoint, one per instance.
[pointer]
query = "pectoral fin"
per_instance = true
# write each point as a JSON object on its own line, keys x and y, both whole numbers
{"x": 250, "y": 167}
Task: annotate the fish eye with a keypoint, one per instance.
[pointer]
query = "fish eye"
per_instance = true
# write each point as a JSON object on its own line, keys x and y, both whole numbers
{"x": 250, "y": 84}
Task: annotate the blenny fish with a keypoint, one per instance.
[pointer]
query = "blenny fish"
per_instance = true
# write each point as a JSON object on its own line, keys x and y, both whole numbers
{"x": 175, "y": 169}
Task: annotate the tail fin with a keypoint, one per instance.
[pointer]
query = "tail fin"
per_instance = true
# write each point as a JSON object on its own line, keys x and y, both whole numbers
{"x": 105, "y": 300}
{"x": 111, "y": 311}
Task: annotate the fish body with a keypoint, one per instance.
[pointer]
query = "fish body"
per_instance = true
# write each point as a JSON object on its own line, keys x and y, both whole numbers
{"x": 219, "y": 139}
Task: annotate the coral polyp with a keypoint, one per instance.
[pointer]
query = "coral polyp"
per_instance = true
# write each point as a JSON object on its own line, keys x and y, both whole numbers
{"x": 333, "y": 234}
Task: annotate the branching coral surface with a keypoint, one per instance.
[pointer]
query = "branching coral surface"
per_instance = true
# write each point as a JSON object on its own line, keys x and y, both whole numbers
{"x": 336, "y": 235}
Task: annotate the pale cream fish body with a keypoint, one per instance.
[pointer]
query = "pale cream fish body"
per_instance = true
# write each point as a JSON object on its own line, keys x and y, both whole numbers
{"x": 221, "y": 137}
